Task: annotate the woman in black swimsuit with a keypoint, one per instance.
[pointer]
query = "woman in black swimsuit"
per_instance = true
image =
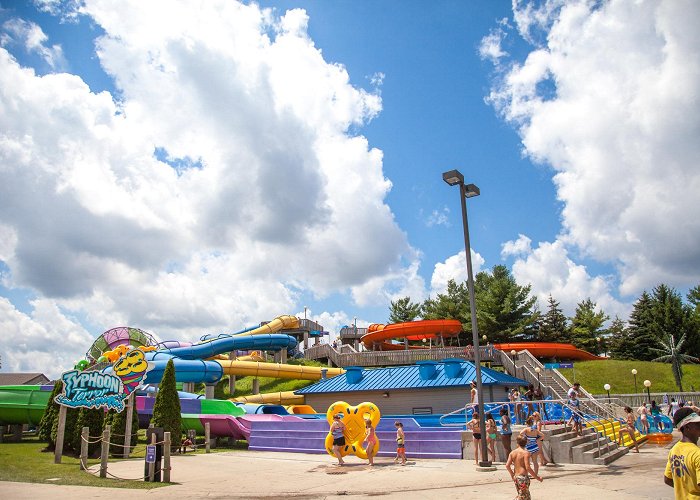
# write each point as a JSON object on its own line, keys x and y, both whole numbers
{"x": 473, "y": 425}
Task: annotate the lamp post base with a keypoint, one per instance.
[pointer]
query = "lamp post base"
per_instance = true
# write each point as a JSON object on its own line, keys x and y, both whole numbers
{"x": 485, "y": 467}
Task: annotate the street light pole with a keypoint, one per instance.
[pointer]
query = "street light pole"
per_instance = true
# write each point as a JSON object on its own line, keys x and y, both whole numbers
{"x": 647, "y": 384}
{"x": 607, "y": 388}
{"x": 634, "y": 373}
{"x": 454, "y": 177}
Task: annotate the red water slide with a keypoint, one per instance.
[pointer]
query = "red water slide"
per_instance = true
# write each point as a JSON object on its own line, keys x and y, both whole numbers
{"x": 377, "y": 335}
{"x": 549, "y": 350}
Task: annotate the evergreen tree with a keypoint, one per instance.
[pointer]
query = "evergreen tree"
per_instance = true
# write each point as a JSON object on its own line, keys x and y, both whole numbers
{"x": 69, "y": 430}
{"x": 619, "y": 343}
{"x": 693, "y": 341}
{"x": 642, "y": 336}
{"x": 166, "y": 409}
{"x": 117, "y": 421}
{"x": 505, "y": 311}
{"x": 453, "y": 304}
{"x": 553, "y": 326}
{"x": 403, "y": 311}
{"x": 670, "y": 317}
{"x": 94, "y": 420}
{"x": 49, "y": 416}
{"x": 587, "y": 326}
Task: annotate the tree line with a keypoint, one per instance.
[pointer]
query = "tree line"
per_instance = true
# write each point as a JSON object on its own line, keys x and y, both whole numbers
{"x": 661, "y": 322}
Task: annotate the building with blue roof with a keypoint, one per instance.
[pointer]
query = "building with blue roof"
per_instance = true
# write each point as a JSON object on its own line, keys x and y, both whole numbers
{"x": 426, "y": 387}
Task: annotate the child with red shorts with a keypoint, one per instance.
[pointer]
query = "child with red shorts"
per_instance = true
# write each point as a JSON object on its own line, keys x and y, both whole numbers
{"x": 400, "y": 444}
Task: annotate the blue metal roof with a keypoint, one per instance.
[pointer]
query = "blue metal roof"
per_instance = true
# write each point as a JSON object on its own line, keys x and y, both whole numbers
{"x": 409, "y": 377}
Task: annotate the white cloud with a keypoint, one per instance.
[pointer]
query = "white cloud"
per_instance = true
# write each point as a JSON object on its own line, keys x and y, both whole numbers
{"x": 516, "y": 247}
{"x": 454, "y": 268}
{"x": 550, "y": 270}
{"x": 609, "y": 98}
{"x": 33, "y": 39}
{"x": 99, "y": 223}
{"x": 438, "y": 218}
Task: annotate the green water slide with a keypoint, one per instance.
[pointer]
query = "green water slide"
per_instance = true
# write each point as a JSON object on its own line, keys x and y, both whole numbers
{"x": 22, "y": 404}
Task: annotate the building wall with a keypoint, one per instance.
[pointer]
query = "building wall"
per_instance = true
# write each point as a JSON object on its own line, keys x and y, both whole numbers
{"x": 408, "y": 401}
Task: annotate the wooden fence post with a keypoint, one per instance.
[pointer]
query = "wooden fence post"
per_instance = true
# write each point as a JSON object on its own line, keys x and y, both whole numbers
{"x": 166, "y": 457}
{"x": 207, "y": 445}
{"x": 152, "y": 465}
{"x": 104, "y": 451}
{"x": 60, "y": 433}
{"x": 130, "y": 401}
{"x": 84, "y": 436}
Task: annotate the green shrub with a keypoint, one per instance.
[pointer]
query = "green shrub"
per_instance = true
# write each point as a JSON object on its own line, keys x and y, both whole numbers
{"x": 94, "y": 420}
{"x": 50, "y": 415}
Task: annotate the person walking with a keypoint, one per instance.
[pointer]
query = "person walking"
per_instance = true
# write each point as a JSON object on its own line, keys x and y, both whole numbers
{"x": 338, "y": 433}
{"x": 629, "y": 429}
{"x": 506, "y": 430}
{"x": 400, "y": 443}
{"x": 644, "y": 418}
{"x": 534, "y": 437}
{"x": 673, "y": 407}
{"x": 518, "y": 466}
{"x": 370, "y": 440}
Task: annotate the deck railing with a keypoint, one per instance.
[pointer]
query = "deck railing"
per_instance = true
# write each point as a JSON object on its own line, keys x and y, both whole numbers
{"x": 402, "y": 357}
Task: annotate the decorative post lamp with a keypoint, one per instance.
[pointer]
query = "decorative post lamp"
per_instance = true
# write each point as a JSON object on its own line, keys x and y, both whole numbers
{"x": 634, "y": 373}
{"x": 607, "y": 388}
{"x": 647, "y": 384}
{"x": 455, "y": 178}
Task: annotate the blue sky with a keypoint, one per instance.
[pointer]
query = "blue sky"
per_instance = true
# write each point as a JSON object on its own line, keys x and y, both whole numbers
{"x": 194, "y": 169}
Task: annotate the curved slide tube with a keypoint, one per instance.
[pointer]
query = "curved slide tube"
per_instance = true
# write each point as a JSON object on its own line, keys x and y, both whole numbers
{"x": 278, "y": 398}
{"x": 23, "y": 404}
{"x": 276, "y": 370}
{"x": 549, "y": 350}
{"x": 211, "y": 348}
{"x": 377, "y": 335}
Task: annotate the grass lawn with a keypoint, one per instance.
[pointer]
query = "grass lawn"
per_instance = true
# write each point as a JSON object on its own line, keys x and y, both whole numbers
{"x": 25, "y": 462}
{"x": 593, "y": 375}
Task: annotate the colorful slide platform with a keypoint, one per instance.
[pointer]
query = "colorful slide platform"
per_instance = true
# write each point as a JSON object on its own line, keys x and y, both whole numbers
{"x": 377, "y": 335}
{"x": 549, "y": 350}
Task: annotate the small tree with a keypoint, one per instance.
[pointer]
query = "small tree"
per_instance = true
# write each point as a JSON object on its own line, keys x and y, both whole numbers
{"x": 92, "y": 418}
{"x": 673, "y": 353}
{"x": 49, "y": 416}
{"x": 403, "y": 310}
{"x": 166, "y": 409}
{"x": 118, "y": 428}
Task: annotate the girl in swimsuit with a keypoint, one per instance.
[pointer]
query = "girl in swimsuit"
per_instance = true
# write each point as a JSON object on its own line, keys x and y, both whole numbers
{"x": 370, "y": 439}
{"x": 533, "y": 437}
{"x": 506, "y": 430}
{"x": 338, "y": 433}
{"x": 539, "y": 425}
{"x": 491, "y": 434}
{"x": 400, "y": 444}
{"x": 643, "y": 418}
{"x": 473, "y": 425}
{"x": 629, "y": 429}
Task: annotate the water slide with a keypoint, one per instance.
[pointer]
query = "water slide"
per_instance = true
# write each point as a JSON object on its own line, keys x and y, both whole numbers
{"x": 23, "y": 404}
{"x": 377, "y": 335}
{"x": 278, "y": 398}
{"x": 549, "y": 350}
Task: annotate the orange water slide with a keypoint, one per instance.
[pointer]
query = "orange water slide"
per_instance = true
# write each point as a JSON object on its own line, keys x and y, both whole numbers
{"x": 549, "y": 350}
{"x": 377, "y": 335}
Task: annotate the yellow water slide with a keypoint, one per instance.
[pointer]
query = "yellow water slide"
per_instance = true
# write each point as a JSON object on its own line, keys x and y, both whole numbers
{"x": 284, "y": 322}
{"x": 276, "y": 370}
{"x": 275, "y": 398}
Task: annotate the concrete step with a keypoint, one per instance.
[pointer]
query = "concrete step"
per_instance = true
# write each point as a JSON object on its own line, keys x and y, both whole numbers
{"x": 607, "y": 458}
{"x": 585, "y": 453}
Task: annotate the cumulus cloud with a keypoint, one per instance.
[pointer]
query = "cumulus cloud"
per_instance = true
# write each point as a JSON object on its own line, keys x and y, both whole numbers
{"x": 209, "y": 188}
{"x": 454, "y": 268}
{"x": 32, "y": 38}
{"x": 608, "y": 97}
{"x": 438, "y": 218}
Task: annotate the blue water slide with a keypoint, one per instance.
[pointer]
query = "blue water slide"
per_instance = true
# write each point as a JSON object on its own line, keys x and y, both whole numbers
{"x": 264, "y": 341}
{"x": 186, "y": 370}
{"x": 210, "y": 336}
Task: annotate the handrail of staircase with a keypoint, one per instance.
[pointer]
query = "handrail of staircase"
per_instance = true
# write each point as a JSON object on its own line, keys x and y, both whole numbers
{"x": 500, "y": 404}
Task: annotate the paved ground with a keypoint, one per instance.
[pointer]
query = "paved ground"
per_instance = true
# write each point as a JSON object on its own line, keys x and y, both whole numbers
{"x": 250, "y": 474}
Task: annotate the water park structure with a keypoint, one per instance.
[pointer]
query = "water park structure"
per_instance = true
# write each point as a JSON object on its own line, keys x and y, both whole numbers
{"x": 424, "y": 386}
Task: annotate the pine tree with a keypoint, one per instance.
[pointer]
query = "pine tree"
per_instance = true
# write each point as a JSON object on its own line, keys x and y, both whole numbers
{"x": 693, "y": 341}
{"x": 554, "y": 324}
{"x": 117, "y": 421}
{"x": 587, "y": 326}
{"x": 453, "y": 304}
{"x": 49, "y": 416}
{"x": 403, "y": 311}
{"x": 166, "y": 409}
{"x": 69, "y": 430}
{"x": 642, "y": 335}
{"x": 92, "y": 418}
{"x": 619, "y": 344}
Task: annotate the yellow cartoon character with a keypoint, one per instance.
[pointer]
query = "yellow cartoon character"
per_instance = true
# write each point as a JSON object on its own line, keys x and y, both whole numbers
{"x": 131, "y": 368}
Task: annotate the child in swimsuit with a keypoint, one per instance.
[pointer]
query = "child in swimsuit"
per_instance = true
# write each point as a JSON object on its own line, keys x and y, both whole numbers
{"x": 643, "y": 412}
{"x": 474, "y": 426}
{"x": 370, "y": 439}
{"x": 533, "y": 437}
{"x": 400, "y": 444}
{"x": 491, "y": 434}
{"x": 338, "y": 433}
{"x": 629, "y": 429}
{"x": 518, "y": 466}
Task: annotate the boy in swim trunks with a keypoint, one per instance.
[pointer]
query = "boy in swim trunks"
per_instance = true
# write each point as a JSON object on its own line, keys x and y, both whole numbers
{"x": 518, "y": 466}
{"x": 400, "y": 444}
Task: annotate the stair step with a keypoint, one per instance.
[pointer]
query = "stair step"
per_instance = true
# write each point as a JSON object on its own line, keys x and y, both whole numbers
{"x": 606, "y": 458}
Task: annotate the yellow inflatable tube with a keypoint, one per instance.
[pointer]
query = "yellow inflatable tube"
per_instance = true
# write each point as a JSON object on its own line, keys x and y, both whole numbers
{"x": 275, "y": 398}
{"x": 276, "y": 370}
{"x": 354, "y": 419}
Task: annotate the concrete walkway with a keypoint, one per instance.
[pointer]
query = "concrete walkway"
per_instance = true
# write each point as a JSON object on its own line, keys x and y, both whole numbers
{"x": 250, "y": 474}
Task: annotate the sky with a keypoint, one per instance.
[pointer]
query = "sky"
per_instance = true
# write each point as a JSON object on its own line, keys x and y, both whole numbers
{"x": 190, "y": 168}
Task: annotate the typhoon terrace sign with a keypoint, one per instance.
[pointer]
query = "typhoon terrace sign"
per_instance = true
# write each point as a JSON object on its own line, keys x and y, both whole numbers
{"x": 102, "y": 389}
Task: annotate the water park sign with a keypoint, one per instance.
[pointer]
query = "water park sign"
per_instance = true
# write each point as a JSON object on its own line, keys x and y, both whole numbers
{"x": 100, "y": 389}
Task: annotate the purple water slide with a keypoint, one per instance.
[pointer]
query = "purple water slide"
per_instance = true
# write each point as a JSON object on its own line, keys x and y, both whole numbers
{"x": 225, "y": 425}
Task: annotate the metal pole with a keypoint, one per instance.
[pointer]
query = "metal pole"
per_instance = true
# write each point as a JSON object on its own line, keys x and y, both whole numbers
{"x": 485, "y": 462}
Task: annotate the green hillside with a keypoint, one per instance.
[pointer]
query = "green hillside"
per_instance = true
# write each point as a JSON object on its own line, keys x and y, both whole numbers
{"x": 593, "y": 375}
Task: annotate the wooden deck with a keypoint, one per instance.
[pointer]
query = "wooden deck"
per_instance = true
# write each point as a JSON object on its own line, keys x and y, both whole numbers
{"x": 349, "y": 357}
